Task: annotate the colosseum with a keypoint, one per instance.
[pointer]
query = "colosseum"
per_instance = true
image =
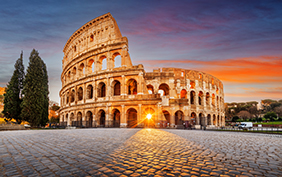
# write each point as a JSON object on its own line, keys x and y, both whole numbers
{"x": 102, "y": 88}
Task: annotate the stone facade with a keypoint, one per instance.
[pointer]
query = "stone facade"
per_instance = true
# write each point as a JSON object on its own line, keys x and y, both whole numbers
{"x": 98, "y": 93}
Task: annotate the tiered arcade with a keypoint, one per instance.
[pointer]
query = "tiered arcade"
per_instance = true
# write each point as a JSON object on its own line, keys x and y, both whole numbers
{"x": 101, "y": 87}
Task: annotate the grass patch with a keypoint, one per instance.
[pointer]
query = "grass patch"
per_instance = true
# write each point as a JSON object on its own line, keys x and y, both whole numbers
{"x": 270, "y": 123}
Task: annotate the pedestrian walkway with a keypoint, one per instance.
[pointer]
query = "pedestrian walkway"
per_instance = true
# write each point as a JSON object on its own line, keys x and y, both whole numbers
{"x": 138, "y": 152}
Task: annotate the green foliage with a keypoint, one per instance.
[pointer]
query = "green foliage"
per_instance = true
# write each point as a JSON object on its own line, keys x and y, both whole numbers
{"x": 13, "y": 93}
{"x": 274, "y": 105}
{"x": 55, "y": 107}
{"x": 270, "y": 115}
{"x": 1, "y": 98}
{"x": 235, "y": 119}
{"x": 35, "y": 101}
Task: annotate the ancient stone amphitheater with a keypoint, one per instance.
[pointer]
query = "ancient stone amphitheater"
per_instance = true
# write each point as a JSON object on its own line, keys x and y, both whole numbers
{"x": 102, "y": 88}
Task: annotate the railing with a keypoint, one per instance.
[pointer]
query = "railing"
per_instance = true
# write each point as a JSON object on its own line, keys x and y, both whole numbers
{"x": 273, "y": 129}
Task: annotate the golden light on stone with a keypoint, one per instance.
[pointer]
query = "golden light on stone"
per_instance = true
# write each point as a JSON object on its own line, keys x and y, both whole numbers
{"x": 149, "y": 116}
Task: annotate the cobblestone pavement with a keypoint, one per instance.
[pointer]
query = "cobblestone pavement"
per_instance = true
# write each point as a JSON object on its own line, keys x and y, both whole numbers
{"x": 138, "y": 152}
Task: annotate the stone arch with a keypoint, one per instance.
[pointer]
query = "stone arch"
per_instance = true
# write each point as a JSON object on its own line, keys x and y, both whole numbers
{"x": 89, "y": 119}
{"x": 67, "y": 97}
{"x": 103, "y": 61}
{"x": 213, "y": 99}
{"x": 165, "y": 89}
{"x": 116, "y": 117}
{"x": 81, "y": 69}
{"x": 217, "y": 101}
{"x": 149, "y": 122}
{"x": 89, "y": 92}
{"x": 79, "y": 119}
{"x": 131, "y": 115}
{"x": 101, "y": 118}
{"x": 72, "y": 120}
{"x": 218, "y": 121}
{"x": 192, "y": 97}
{"x": 166, "y": 117}
{"x": 179, "y": 117}
{"x": 150, "y": 89}
{"x": 116, "y": 88}
{"x": 72, "y": 96}
{"x": 101, "y": 90}
{"x": 91, "y": 38}
{"x": 79, "y": 94}
{"x": 192, "y": 85}
{"x": 117, "y": 59}
{"x": 214, "y": 120}
{"x": 69, "y": 76}
{"x": 200, "y": 97}
{"x": 67, "y": 120}
{"x": 193, "y": 118}
{"x": 90, "y": 66}
{"x": 202, "y": 121}
{"x": 131, "y": 87}
{"x": 73, "y": 73}
{"x": 208, "y": 98}
{"x": 183, "y": 93}
{"x": 209, "y": 120}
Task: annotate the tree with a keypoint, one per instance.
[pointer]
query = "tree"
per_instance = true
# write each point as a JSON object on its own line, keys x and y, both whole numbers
{"x": 270, "y": 116}
{"x": 13, "y": 93}
{"x": 35, "y": 101}
{"x": 244, "y": 115}
{"x": 235, "y": 118}
{"x": 254, "y": 111}
{"x": 278, "y": 110}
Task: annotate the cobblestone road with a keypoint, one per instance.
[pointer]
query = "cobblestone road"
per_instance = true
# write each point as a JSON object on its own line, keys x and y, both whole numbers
{"x": 138, "y": 152}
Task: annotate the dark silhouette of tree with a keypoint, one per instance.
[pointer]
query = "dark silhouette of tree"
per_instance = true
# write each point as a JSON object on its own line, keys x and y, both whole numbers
{"x": 13, "y": 93}
{"x": 35, "y": 89}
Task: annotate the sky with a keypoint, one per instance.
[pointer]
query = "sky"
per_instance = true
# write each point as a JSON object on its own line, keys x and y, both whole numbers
{"x": 239, "y": 42}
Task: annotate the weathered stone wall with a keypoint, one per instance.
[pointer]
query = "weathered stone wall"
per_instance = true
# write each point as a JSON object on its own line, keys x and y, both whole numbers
{"x": 93, "y": 95}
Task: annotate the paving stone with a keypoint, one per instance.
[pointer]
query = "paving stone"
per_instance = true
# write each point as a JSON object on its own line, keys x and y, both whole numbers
{"x": 138, "y": 152}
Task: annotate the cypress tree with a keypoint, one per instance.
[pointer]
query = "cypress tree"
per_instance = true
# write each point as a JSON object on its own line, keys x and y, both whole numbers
{"x": 35, "y": 90}
{"x": 13, "y": 93}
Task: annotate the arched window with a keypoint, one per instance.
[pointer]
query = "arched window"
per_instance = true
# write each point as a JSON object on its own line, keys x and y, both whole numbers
{"x": 79, "y": 119}
{"x": 80, "y": 94}
{"x": 179, "y": 117}
{"x": 201, "y": 98}
{"x": 192, "y": 85}
{"x": 72, "y": 96}
{"x": 163, "y": 89}
{"x": 89, "y": 91}
{"x": 102, "y": 118}
{"x": 116, "y": 88}
{"x": 150, "y": 89}
{"x": 91, "y": 38}
{"x": 116, "y": 118}
{"x": 131, "y": 118}
{"x": 74, "y": 73}
{"x": 89, "y": 119}
{"x": 192, "y": 97}
{"x": 81, "y": 69}
{"x": 213, "y": 99}
{"x": 117, "y": 59}
{"x": 101, "y": 89}
{"x": 183, "y": 93}
{"x": 103, "y": 61}
{"x": 132, "y": 87}
{"x": 90, "y": 66}
{"x": 67, "y": 97}
{"x": 207, "y": 98}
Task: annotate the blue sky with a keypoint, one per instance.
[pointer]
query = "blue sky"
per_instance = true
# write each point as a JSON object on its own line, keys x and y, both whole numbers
{"x": 239, "y": 42}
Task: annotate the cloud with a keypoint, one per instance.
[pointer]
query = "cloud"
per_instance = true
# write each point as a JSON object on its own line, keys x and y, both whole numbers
{"x": 264, "y": 69}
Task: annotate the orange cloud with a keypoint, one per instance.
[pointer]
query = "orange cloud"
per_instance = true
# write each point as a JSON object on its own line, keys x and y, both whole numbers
{"x": 263, "y": 69}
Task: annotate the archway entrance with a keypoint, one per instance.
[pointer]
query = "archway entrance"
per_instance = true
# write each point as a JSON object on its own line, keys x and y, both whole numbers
{"x": 102, "y": 118}
{"x": 179, "y": 118}
{"x": 202, "y": 119}
{"x": 166, "y": 122}
{"x": 149, "y": 120}
{"x": 89, "y": 119}
{"x": 131, "y": 118}
{"x": 116, "y": 118}
{"x": 209, "y": 119}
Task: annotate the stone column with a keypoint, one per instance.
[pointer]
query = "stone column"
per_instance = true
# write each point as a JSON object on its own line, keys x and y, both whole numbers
{"x": 123, "y": 122}
{"x": 84, "y": 93}
{"x": 123, "y": 85}
{"x": 139, "y": 118}
{"x": 172, "y": 120}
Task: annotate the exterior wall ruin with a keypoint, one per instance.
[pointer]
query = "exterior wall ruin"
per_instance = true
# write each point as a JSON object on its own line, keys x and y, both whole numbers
{"x": 98, "y": 93}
